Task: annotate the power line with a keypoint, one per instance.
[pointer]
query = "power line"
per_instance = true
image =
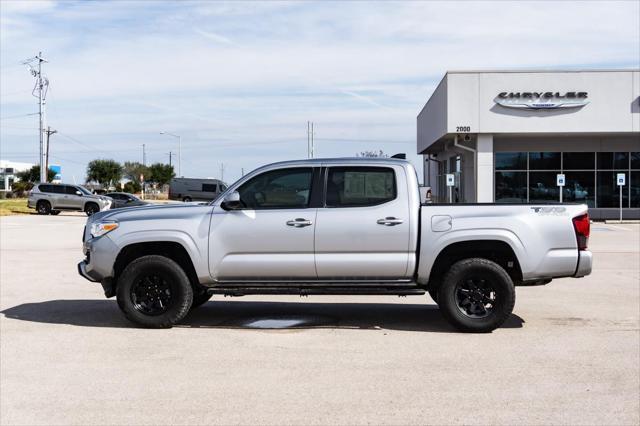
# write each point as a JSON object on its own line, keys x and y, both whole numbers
{"x": 19, "y": 116}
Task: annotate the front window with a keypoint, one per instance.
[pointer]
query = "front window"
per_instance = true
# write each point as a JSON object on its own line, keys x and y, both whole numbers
{"x": 84, "y": 190}
{"x": 277, "y": 189}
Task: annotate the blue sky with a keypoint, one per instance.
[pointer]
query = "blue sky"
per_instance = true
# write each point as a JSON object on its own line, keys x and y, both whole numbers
{"x": 240, "y": 80}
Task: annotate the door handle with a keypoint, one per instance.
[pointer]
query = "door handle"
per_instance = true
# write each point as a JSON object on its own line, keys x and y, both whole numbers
{"x": 299, "y": 222}
{"x": 389, "y": 221}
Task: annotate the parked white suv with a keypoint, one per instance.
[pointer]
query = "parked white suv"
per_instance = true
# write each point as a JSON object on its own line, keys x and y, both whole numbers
{"x": 50, "y": 198}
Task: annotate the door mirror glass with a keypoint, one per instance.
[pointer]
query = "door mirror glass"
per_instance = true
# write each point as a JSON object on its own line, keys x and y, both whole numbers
{"x": 79, "y": 193}
{"x": 231, "y": 201}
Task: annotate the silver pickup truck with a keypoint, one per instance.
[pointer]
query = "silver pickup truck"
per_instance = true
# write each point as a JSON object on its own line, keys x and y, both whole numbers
{"x": 332, "y": 226}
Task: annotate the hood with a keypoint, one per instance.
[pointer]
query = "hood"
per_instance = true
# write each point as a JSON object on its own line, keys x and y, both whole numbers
{"x": 152, "y": 212}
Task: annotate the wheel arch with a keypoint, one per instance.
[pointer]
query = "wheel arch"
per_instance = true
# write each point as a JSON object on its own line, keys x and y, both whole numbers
{"x": 497, "y": 251}
{"x": 170, "y": 249}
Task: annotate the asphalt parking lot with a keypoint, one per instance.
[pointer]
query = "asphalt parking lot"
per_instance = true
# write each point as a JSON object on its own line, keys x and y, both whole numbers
{"x": 569, "y": 354}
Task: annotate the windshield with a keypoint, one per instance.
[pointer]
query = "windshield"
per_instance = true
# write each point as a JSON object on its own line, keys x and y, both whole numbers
{"x": 84, "y": 190}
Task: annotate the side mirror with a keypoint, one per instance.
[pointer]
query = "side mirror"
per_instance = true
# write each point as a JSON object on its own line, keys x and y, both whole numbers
{"x": 79, "y": 193}
{"x": 231, "y": 201}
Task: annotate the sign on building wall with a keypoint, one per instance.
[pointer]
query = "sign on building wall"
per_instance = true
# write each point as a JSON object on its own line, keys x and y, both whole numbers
{"x": 542, "y": 100}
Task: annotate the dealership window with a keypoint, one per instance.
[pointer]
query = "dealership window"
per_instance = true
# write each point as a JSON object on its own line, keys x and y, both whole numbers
{"x": 578, "y": 160}
{"x": 511, "y": 187}
{"x": 544, "y": 160}
{"x": 634, "y": 186}
{"x": 590, "y": 177}
{"x": 579, "y": 188}
{"x": 608, "y": 191}
{"x": 613, "y": 160}
{"x": 542, "y": 187}
{"x": 511, "y": 160}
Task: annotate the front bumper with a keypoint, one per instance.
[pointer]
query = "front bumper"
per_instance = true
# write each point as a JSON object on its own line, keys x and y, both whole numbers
{"x": 97, "y": 266}
{"x": 585, "y": 262}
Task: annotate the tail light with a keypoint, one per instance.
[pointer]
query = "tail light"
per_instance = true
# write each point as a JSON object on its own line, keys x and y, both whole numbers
{"x": 583, "y": 228}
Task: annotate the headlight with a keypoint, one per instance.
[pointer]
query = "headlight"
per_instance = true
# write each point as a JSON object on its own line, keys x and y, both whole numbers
{"x": 101, "y": 228}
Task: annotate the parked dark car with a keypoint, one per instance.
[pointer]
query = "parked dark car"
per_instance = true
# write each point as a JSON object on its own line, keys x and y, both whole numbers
{"x": 124, "y": 199}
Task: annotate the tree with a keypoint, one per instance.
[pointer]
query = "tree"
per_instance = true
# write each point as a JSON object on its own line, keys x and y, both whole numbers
{"x": 33, "y": 175}
{"x": 161, "y": 173}
{"x": 105, "y": 172}
{"x": 372, "y": 154}
{"x": 132, "y": 171}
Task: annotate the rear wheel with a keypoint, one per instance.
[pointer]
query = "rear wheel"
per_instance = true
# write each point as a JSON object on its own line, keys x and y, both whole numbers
{"x": 91, "y": 208}
{"x": 154, "y": 292}
{"x": 476, "y": 295}
{"x": 187, "y": 199}
{"x": 43, "y": 207}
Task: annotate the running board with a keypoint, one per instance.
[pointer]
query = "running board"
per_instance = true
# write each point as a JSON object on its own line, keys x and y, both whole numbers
{"x": 306, "y": 291}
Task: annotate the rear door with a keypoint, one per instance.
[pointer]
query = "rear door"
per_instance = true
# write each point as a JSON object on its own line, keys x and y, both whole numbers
{"x": 362, "y": 233}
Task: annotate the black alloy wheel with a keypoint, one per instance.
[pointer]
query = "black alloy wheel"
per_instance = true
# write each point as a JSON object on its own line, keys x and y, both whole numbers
{"x": 43, "y": 207}
{"x": 476, "y": 297}
{"x": 91, "y": 209}
{"x": 151, "y": 295}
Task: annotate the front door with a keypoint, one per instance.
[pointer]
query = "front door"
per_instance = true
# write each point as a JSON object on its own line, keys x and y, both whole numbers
{"x": 362, "y": 233}
{"x": 271, "y": 237}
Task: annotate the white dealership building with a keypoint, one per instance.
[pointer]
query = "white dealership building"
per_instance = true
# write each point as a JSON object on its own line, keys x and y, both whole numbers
{"x": 507, "y": 135}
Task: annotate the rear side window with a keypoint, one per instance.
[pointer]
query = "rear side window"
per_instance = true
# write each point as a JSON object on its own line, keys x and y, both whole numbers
{"x": 360, "y": 186}
{"x": 55, "y": 189}
{"x": 45, "y": 188}
{"x": 209, "y": 187}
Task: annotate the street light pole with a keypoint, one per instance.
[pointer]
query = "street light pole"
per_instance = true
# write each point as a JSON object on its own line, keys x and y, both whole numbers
{"x": 179, "y": 150}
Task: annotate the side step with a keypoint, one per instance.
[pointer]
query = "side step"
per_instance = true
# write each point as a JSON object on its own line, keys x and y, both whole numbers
{"x": 306, "y": 291}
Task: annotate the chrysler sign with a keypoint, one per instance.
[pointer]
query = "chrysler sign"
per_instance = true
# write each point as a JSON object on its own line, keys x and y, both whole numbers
{"x": 542, "y": 100}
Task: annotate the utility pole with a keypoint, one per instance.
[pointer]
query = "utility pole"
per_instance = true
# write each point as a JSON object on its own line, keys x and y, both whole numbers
{"x": 42, "y": 86}
{"x": 313, "y": 148}
{"x": 170, "y": 154}
{"x": 310, "y": 143}
{"x": 49, "y": 133}
{"x": 144, "y": 156}
{"x": 222, "y": 167}
{"x": 179, "y": 150}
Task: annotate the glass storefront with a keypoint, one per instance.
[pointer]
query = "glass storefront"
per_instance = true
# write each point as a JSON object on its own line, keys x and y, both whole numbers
{"x": 590, "y": 177}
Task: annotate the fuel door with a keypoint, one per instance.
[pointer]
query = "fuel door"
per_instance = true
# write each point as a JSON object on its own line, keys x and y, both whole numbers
{"x": 441, "y": 223}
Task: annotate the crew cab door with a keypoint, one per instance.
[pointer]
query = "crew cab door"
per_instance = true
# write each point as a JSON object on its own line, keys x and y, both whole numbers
{"x": 271, "y": 237}
{"x": 363, "y": 231}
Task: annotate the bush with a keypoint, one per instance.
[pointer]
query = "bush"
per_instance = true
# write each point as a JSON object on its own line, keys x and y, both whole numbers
{"x": 132, "y": 187}
{"x": 20, "y": 188}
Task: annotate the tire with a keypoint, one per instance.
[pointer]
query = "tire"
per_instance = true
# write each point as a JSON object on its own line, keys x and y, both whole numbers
{"x": 200, "y": 298}
{"x": 186, "y": 199}
{"x": 43, "y": 207}
{"x": 154, "y": 292}
{"x": 476, "y": 295}
{"x": 55, "y": 212}
{"x": 91, "y": 208}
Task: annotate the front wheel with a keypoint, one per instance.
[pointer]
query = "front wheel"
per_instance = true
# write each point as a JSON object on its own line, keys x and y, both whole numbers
{"x": 154, "y": 292}
{"x": 91, "y": 208}
{"x": 186, "y": 200}
{"x": 476, "y": 295}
